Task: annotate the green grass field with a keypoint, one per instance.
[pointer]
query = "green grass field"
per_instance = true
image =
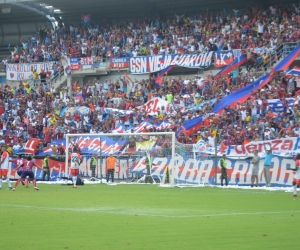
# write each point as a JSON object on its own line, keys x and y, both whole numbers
{"x": 147, "y": 217}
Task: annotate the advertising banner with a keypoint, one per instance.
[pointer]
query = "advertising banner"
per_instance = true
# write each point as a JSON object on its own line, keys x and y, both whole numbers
{"x": 285, "y": 147}
{"x": 188, "y": 170}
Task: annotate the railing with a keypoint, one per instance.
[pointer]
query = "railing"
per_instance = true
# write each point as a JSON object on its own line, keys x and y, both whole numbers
{"x": 53, "y": 79}
{"x": 280, "y": 52}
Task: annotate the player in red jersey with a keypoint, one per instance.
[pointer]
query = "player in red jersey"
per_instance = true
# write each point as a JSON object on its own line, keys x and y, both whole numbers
{"x": 27, "y": 171}
{"x": 19, "y": 163}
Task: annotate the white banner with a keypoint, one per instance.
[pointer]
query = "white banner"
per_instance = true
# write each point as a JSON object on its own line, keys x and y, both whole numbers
{"x": 202, "y": 170}
{"x": 155, "y": 104}
{"x": 285, "y": 147}
{"x": 23, "y": 71}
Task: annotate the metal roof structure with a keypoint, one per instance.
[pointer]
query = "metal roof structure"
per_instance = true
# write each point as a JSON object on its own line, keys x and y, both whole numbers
{"x": 19, "y": 11}
{"x": 20, "y": 19}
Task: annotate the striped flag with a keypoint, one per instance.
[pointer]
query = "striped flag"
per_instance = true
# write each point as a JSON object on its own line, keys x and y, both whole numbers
{"x": 158, "y": 79}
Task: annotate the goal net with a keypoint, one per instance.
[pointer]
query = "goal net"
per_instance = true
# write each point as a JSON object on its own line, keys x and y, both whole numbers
{"x": 193, "y": 167}
{"x": 141, "y": 157}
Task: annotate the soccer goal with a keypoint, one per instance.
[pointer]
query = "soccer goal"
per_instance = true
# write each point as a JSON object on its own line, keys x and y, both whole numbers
{"x": 141, "y": 157}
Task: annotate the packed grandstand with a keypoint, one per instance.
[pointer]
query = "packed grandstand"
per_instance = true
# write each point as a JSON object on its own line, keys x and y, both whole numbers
{"x": 194, "y": 107}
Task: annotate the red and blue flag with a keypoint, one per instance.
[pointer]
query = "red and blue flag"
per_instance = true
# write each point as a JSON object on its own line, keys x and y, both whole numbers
{"x": 234, "y": 65}
{"x": 243, "y": 94}
{"x": 286, "y": 62}
{"x": 294, "y": 71}
{"x": 158, "y": 79}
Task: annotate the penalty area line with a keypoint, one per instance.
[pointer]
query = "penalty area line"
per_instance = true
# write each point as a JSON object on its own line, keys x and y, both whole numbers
{"x": 143, "y": 212}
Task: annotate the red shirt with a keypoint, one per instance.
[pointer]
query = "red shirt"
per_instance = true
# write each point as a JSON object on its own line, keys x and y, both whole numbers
{"x": 28, "y": 165}
{"x": 16, "y": 57}
{"x": 47, "y": 137}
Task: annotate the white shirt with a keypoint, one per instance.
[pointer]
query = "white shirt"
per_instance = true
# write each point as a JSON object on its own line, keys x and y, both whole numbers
{"x": 98, "y": 85}
{"x": 211, "y": 141}
{"x": 186, "y": 82}
{"x": 75, "y": 157}
{"x": 134, "y": 53}
{"x": 260, "y": 28}
{"x": 16, "y": 147}
{"x": 244, "y": 114}
{"x": 5, "y": 157}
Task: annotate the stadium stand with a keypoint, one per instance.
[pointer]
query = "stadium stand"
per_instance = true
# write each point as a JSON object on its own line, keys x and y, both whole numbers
{"x": 37, "y": 110}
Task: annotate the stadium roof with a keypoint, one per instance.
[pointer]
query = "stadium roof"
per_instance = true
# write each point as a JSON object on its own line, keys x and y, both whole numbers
{"x": 18, "y": 11}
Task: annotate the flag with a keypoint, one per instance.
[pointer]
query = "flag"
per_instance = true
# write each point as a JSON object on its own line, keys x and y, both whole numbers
{"x": 164, "y": 71}
{"x": 286, "y": 62}
{"x": 91, "y": 106}
{"x": 127, "y": 76}
{"x": 79, "y": 96}
{"x": 86, "y": 19}
{"x": 192, "y": 125}
{"x": 158, "y": 79}
{"x": 235, "y": 64}
{"x": 120, "y": 129}
{"x": 144, "y": 125}
{"x": 242, "y": 94}
{"x": 294, "y": 71}
{"x": 223, "y": 58}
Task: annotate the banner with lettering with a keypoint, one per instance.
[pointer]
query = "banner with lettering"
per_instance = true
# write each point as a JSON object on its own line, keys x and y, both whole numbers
{"x": 155, "y": 104}
{"x": 188, "y": 170}
{"x": 223, "y": 58}
{"x": 149, "y": 64}
{"x": 119, "y": 63}
{"x": 23, "y": 71}
{"x": 202, "y": 170}
{"x": 285, "y": 147}
{"x": 78, "y": 63}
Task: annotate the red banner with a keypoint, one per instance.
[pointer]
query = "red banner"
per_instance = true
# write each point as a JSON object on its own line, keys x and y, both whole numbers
{"x": 119, "y": 63}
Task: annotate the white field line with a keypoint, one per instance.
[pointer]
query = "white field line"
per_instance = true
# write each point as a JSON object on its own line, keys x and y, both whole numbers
{"x": 142, "y": 212}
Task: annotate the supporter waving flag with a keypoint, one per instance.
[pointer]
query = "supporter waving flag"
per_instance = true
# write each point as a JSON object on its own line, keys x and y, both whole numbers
{"x": 191, "y": 126}
{"x": 158, "y": 79}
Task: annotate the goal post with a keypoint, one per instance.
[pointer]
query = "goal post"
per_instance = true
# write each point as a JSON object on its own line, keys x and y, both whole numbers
{"x": 135, "y": 152}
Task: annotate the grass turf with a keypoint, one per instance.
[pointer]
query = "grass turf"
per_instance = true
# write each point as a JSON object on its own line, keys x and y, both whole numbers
{"x": 147, "y": 217}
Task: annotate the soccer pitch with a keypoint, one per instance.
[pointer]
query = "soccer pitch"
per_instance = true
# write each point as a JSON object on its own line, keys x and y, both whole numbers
{"x": 140, "y": 217}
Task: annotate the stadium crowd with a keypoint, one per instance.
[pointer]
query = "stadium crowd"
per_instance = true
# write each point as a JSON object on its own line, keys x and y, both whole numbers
{"x": 28, "y": 112}
{"x": 261, "y": 30}
{"x": 35, "y": 113}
